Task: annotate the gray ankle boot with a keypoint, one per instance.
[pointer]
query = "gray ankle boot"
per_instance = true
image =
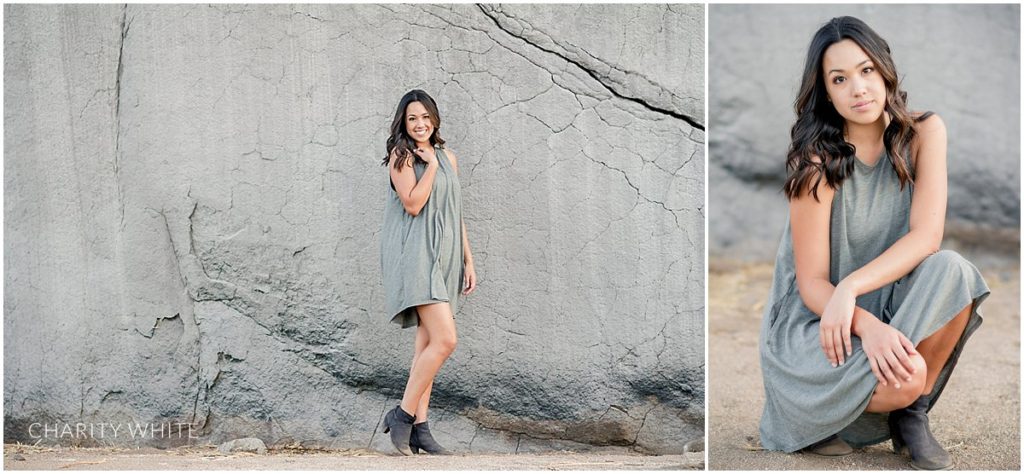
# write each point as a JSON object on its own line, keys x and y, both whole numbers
{"x": 910, "y": 434}
{"x": 422, "y": 439}
{"x": 399, "y": 423}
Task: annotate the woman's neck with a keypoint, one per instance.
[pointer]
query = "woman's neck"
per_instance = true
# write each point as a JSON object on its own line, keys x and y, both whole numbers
{"x": 865, "y": 134}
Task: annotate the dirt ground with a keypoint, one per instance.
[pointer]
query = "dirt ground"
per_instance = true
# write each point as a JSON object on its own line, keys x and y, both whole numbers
{"x": 208, "y": 458}
{"x": 977, "y": 420}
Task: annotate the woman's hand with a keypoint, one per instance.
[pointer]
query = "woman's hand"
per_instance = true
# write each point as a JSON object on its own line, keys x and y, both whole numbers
{"x": 836, "y": 320}
{"x": 888, "y": 351}
{"x": 469, "y": 281}
{"x": 428, "y": 157}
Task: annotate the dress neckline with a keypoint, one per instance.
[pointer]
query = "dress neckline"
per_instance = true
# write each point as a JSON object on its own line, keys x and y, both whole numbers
{"x": 868, "y": 167}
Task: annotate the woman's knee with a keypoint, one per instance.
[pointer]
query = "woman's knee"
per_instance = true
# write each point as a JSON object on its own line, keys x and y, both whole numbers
{"x": 440, "y": 327}
{"x": 445, "y": 344}
{"x": 888, "y": 398}
{"x": 911, "y": 390}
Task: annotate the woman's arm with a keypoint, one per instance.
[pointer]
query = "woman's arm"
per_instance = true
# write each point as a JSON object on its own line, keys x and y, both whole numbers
{"x": 413, "y": 194}
{"x": 809, "y": 220}
{"x": 927, "y": 214}
{"x": 467, "y": 254}
{"x": 470, "y": 279}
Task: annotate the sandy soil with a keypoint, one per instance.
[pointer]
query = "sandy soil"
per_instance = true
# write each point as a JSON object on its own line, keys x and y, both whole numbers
{"x": 977, "y": 420}
{"x": 208, "y": 458}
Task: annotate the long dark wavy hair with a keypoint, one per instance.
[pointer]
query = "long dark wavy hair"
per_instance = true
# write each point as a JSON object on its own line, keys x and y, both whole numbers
{"x": 399, "y": 143}
{"x": 819, "y": 128}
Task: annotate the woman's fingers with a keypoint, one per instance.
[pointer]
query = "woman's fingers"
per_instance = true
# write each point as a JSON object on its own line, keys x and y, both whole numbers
{"x": 832, "y": 345}
{"x": 905, "y": 363}
{"x": 837, "y": 344}
{"x": 878, "y": 373}
{"x": 847, "y": 340}
{"x": 423, "y": 154}
{"x": 826, "y": 345}
{"x": 883, "y": 365}
{"x": 897, "y": 367}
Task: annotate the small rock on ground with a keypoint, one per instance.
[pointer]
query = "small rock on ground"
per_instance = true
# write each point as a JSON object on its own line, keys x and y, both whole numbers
{"x": 243, "y": 445}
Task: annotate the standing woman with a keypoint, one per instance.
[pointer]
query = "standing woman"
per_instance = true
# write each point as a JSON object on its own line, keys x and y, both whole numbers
{"x": 866, "y": 316}
{"x": 425, "y": 258}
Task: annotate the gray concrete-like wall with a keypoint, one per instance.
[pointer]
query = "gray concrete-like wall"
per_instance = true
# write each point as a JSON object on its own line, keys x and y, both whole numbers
{"x": 960, "y": 61}
{"x": 193, "y": 199}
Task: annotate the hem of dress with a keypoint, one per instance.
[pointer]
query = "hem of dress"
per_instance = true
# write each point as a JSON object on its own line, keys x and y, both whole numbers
{"x": 973, "y": 322}
{"x": 395, "y": 319}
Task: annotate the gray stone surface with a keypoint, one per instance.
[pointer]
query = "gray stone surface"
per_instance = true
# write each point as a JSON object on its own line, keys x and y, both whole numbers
{"x": 961, "y": 61}
{"x": 243, "y": 445}
{"x": 193, "y": 196}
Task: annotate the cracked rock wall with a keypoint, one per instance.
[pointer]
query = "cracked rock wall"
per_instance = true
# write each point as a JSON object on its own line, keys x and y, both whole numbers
{"x": 193, "y": 201}
{"x": 960, "y": 61}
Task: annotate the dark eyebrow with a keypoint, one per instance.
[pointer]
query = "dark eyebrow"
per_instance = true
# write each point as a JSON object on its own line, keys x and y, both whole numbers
{"x": 425, "y": 114}
{"x": 855, "y": 67}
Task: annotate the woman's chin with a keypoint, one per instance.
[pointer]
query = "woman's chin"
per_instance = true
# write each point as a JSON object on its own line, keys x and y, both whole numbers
{"x": 863, "y": 118}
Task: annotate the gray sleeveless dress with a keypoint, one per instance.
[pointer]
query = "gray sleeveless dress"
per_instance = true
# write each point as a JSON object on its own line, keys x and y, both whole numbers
{"x": 806, "y": 399}
{"x": 421, "y": 257}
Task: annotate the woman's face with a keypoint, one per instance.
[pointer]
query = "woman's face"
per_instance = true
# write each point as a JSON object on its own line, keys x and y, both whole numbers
{"x": 418, "y": 122}
{"x": 854, "y": 85}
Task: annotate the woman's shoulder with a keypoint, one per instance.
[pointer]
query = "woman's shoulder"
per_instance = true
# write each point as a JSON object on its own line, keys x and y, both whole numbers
{"x": 929, "y": 131}
{"x": 928, "y": 124}
{"x": 810, "y": 181}
{"x": 394, "y": 159}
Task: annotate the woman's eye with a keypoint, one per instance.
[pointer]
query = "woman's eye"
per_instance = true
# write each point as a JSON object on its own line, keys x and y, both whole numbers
{"x": 869, "y": 70}
{"x": 838, "y": 80}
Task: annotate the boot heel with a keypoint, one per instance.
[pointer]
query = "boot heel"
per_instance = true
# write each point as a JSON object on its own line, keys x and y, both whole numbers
{"x": 402, "y": 424}
{"x": 422, "y": 440}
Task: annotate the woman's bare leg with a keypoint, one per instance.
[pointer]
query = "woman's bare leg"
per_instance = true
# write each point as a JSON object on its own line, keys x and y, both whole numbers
{"x": 440, "y": 327}
{"x": 935, "y": 351}
{"x": 422, "y": 337}
{"x": 937, "y": 348}
{"x": 888, "y": 398}
{"x": 421, "y": 409}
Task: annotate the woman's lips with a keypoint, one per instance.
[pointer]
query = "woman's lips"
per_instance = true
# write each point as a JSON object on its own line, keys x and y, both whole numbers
{"x": 859, "y": 106}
